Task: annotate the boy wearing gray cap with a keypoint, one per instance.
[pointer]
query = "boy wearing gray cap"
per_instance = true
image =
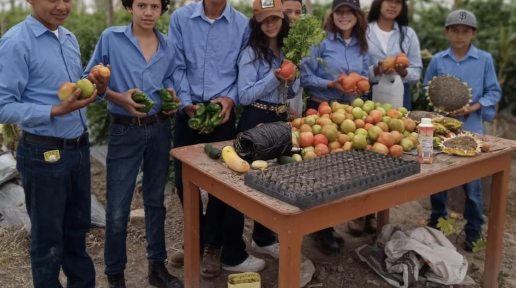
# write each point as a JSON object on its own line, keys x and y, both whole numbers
{"x": 475, "y": 67}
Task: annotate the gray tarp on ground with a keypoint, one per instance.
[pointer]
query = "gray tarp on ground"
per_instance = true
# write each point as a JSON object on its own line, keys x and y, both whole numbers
{"x": 399, "y": 257}
{"x": 12, "y": 197}
{"x": 12, "y": 206}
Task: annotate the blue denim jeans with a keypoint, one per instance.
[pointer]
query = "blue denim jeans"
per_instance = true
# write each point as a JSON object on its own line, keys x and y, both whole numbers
{"x": 58, "y": 199}
{"x": 217, "y": 226}
{"x": 128, "y": 146}
{"x": 472, "y": 210}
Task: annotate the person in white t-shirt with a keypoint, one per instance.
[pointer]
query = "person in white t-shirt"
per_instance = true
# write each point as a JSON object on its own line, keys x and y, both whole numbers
{"x": 390, "y": 35}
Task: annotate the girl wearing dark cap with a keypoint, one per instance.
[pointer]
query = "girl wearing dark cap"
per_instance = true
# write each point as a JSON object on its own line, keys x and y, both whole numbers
{"x": 344, "y": 51}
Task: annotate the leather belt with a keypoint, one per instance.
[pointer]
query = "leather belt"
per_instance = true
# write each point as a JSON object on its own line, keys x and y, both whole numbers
{"x": 280, "y": 108}
{"x": 135, "y": 121}
{"x": 54, "y": 141}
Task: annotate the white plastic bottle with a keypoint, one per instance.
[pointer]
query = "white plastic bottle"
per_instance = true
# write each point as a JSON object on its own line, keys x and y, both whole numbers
{"x": 425, "y": 148}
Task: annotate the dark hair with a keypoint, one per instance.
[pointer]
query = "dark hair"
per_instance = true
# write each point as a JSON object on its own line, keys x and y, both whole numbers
{"x": 360, "y": 28}
{"x": 164, "y": 5}
{"x": 260, "y": 44}
{"x": 402, "y": 19}
{"x": 300, "y": 1}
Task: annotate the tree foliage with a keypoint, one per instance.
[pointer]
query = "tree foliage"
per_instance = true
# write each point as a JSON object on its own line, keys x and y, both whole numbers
{"x": 497, "y": 35}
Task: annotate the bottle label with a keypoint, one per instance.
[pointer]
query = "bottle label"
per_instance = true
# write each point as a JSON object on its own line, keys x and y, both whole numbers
{"x": 426, "y": 144}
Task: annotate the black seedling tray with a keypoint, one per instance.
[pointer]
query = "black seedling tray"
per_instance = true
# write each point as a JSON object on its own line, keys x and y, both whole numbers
{"x": 323, "y": 179}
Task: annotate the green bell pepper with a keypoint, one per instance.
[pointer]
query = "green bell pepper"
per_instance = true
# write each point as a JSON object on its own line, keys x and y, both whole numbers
{"x": 216, "y": 119}
{"x": 201, "y": 109}
{"x": 139, "y": 97}
{"x": 147, "y": 108}
{"x": 194, "y": 123}
{"x": 169, "y": 105}
{"x": 213, "y": 107}
{"x": 165, "y": 95}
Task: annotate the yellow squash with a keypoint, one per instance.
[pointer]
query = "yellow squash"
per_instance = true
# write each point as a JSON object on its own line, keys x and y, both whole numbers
{"x": 233, "y": 161}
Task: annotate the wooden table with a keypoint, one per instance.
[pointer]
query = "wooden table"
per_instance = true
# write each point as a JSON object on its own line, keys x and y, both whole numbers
{"x": 292, "y": 224}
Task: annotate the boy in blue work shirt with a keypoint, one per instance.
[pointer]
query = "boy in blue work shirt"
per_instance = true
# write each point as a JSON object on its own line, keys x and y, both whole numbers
{"x": 141, "y": 59}
{"x": 475, "y": 67}
{"x": 208, "y": 37}
{"x": 36, "y": 57}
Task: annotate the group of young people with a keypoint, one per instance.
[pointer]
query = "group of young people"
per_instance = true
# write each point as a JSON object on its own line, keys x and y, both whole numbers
{"x": 212, "y": 54}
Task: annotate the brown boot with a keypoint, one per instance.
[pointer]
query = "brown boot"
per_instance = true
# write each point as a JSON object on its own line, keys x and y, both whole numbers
{"x": 178, "y": 259}
{"x": 370, "y": 223}
{"x": 356, "y": 227}
{"x": 210, "y": 265}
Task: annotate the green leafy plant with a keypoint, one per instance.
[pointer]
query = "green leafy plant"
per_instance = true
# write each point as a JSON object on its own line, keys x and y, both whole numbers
{"x": 446, "y": 226}
{"x": 502, "y": 277}
{"x": 479, "y": 245}
{"x": 303, "y": 34}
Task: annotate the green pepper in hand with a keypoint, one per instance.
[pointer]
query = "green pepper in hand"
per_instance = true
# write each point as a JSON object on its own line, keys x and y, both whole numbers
{"x": 147, "y": 108}
{"x": 169, "y": 105}
{"x": 200, "y": 110}
{"x": 139, "y": 97}
{"x": 165, "y": 95}
{"x": 194, "y": 123}
{"x": 213, "y": 107}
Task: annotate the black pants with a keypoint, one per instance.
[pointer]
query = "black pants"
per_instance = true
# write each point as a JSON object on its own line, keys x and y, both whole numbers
{"x": 251, "y": 117}
{"x": 217, "y": 227}
{"x": 311, "y": 104}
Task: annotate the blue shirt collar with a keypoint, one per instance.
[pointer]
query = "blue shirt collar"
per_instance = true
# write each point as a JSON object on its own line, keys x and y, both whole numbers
{"x": 128, "y": 31}
{"x": 199, "y": 12}
{"x": 472, "y": 52}
{"x": 339, "y": 38}
{"x": 39, "y": 29}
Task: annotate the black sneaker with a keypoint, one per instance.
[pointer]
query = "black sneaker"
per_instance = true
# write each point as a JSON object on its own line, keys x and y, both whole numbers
{"x": 160, "y": 277}
{"x": 337, "y": 237}
{"x": 116, "y": 281}
{"x": 325, "y": 242}
{"x": 471, "y": 237}
{"x": 432, "y": 223}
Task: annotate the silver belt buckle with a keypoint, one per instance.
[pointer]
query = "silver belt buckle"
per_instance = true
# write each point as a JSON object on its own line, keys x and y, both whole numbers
{"x": 281, "y": 109}
{"x": 139, "y": 123}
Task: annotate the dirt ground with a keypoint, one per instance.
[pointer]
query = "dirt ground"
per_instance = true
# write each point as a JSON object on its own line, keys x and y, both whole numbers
{"x": 344, "y": 270}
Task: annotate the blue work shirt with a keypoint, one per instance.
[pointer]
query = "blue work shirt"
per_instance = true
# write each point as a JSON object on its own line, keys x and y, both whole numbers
{"x": 410, "y": 46}
{"x": 206, "y": 52}
{"x": 256, "y": 80}
{"x": 33, "y": 65}
{"x": 119, "y": 48}
{"x": 340, "y": 58}
{"x": 476, "y": 69}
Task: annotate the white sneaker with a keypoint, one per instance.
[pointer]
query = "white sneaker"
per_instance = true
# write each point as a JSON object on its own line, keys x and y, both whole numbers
{"x": 272, "y": 249}
{"x": 251, "y": 264}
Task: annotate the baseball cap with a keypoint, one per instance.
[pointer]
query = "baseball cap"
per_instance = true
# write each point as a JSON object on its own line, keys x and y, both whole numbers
{"x": 463, "y": 17}
{"x": 265, "y": 8}
{"x": 355, "y": 4}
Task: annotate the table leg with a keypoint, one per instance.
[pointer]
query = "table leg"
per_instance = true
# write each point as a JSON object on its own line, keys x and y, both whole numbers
{"x": 290, "y": 258}
{"x": 191, "y": 233}
{"x": 496, "y": 226}
{"x": 383, "y": 219}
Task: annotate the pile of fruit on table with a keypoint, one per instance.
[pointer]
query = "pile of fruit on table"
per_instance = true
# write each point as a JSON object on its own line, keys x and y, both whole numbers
{"x": 361, "y": 125}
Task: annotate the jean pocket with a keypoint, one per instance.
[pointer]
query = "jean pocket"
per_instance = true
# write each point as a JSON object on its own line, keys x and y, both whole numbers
{"x": 48, "y": 162}
{"x": 118, "y": 129}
